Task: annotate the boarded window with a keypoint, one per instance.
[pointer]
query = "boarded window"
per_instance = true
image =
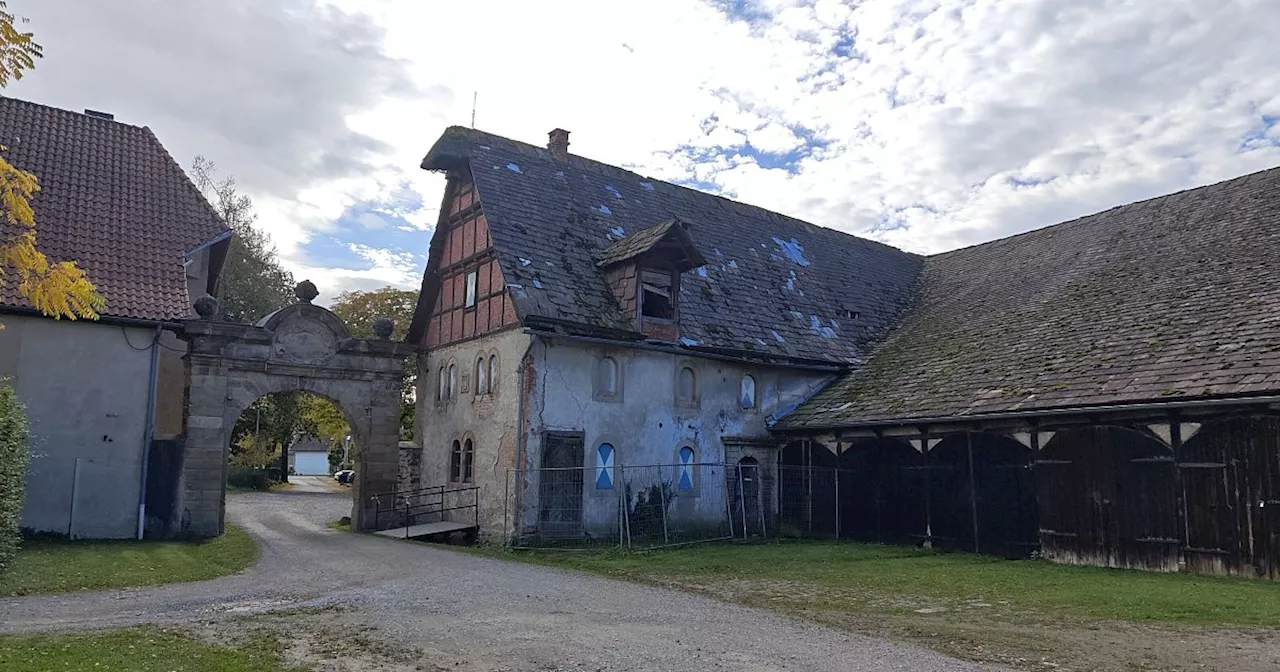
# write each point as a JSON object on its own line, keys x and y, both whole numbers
{"x": 685, "y": 476}
{"x": 657, "y": 298}
{"x": 471, "y": 290}
{"x": 607, "y": 378}
{"x": 687, "y": 386}
{"x": 604, "y": 467}
{"x": 747, "y": 394}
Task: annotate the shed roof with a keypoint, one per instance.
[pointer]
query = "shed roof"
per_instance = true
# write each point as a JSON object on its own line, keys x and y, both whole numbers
{"x": 113, "y": 200}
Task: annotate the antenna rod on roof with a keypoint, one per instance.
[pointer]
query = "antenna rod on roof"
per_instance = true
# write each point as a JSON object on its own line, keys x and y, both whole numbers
{"x": 474, "y": 96}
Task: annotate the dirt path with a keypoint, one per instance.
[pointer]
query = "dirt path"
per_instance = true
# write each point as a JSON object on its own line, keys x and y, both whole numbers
{"x": 432, "y": 608}
{"x": 315, "y": 485}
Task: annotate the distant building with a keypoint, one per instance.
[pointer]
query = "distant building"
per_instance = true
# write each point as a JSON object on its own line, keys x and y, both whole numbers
{"x": 98, "y": 393}
{"x": 309, "y": 457}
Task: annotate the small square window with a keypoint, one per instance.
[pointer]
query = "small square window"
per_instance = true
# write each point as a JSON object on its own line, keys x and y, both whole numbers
{"x": 471, "y": 290}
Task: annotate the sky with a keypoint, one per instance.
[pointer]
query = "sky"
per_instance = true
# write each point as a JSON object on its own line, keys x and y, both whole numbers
{"x": 929, "y": 125}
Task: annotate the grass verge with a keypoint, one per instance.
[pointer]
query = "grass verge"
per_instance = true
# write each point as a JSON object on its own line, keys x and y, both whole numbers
{"x": 61, "y": 566}
{"x": 143, "y": 649}
{"x": 847, "y": 577}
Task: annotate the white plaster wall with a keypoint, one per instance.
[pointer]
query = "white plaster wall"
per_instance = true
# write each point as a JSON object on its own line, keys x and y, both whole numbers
{"x": 645, "y": 424}
{"x": 85, "y": 391}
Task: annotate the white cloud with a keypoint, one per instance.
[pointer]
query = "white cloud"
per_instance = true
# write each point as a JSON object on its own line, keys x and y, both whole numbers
{"x": 935, "y": 123}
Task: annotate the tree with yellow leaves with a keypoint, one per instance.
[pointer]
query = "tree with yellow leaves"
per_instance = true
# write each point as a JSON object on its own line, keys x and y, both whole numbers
{"x": 58, "y": 289}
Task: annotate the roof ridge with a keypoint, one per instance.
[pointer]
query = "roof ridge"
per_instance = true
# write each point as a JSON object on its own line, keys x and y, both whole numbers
{"x": 1115, "y": 208}
{"x": 608, "y": 167}
{"x": 63, "y": 110}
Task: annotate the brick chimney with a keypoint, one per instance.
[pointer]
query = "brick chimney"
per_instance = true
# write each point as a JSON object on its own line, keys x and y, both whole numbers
{"x": 559, "y": 142}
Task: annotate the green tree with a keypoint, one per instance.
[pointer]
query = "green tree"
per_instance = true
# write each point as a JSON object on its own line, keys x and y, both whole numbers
{"x": 253, "y": 283}
{"x": 57, "y": 289}
{"x": 361, "y": 309}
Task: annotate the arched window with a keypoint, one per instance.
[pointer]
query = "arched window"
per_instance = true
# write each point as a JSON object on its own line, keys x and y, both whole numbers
{"x": 686, "y": 475}
{"x": 687, "y": 386}
{"x": 493, "y": 373}
{"x": 482, "y": 376}
{"x": 468, "y": 461}
{"x": 455, "y": 463}
{"x": 441, "y": 390}
{"x": 453, "y": 381}
{"x": 607, "y": 378}
{"x": 747, "y": 393}
{"x": 604, "y": 467}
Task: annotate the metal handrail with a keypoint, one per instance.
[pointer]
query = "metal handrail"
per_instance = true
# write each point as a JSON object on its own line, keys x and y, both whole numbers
{"x": 428, "y": 501}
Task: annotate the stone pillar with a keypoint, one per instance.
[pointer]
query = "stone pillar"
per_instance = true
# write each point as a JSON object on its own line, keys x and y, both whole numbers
{"x": 204, "y": 466}
{"x": 379, "y": 470}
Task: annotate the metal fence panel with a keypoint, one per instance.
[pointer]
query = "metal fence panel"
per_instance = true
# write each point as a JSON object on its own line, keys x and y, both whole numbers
{"x": 642, "y": 506}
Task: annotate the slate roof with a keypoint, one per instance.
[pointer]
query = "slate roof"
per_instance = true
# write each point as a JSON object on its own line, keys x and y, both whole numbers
{"x": 773, "y": 285}
{"x": 1166, "y": 299}
{"x": 640, "y": 242}
{"x": 113, "y": 200}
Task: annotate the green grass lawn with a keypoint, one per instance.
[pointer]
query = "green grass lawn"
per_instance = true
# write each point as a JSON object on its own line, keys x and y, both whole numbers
{"x": 864, "y": 578}
{"x": 59, "y": 566}
{"x": 135, "y": 650}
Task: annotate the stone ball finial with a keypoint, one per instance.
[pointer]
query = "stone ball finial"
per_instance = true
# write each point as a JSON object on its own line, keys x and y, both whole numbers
{"x": 206, "y": 307}
{"x": 382, "y": 328}
{"x": 306, "y": 291}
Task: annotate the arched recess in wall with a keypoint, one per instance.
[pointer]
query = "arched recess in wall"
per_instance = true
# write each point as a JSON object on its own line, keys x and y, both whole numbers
{"x": 990, "y": 475}
{"x": 1107, "y": 497}
{"x": 807, "y": 490}
{"x": 883, "y": 492}
{"x": 1230, "y": 475}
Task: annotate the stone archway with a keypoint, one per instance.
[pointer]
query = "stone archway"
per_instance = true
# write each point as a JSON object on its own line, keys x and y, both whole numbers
{"x": 299, "y": 347}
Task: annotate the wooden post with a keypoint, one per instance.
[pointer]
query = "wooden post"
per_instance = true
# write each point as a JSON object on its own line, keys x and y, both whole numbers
{"x": 973, "y": 492}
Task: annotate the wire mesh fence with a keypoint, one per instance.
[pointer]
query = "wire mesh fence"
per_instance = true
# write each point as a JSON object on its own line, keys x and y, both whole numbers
{"x": 640, "y": 506}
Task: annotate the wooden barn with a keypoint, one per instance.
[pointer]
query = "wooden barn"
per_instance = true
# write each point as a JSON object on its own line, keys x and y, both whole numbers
{"x": 1105, "y": 391}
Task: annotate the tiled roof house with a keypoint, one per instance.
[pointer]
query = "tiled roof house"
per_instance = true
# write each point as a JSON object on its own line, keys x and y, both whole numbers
{"x": 98, "y": 393}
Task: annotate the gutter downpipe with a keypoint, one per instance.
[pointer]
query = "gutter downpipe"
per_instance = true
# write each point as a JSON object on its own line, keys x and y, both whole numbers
{"x": 1044, "y": 413}
{"x": 149, "y": 431}
{"x": 521, "y": 442}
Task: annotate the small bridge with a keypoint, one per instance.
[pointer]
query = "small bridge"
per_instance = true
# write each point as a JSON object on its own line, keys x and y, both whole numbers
{"x": 425, "y": 513}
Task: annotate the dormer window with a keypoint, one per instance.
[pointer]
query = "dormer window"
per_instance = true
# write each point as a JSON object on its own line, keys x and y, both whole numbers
{"x": 656, "y": 297}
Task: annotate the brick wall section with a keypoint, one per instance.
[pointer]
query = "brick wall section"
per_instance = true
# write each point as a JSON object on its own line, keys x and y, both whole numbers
{"x": 468, "y": 248}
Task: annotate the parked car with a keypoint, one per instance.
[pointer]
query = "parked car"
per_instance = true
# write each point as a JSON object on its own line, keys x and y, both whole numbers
{"x": 345, "y": 477}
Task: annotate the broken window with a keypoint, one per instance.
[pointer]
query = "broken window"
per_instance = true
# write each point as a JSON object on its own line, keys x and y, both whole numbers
{"x": 471, "y": 290}
{"x": 657, "y": 296}
{"x": 747, "y": 395}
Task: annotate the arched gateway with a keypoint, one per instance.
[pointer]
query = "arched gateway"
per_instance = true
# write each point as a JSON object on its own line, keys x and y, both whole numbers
{"x": 299, "y": 347}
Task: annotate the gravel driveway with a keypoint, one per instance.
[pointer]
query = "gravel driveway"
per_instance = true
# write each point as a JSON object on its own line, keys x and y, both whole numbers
{"x": 472, "y": 613}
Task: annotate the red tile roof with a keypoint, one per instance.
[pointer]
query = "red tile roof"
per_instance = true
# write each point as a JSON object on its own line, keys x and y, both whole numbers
{"x": 113, "y": 200}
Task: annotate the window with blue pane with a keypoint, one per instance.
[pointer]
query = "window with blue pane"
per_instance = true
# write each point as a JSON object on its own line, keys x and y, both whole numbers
{"x": 685, "y": 470}
{"x": 604, "y": 467}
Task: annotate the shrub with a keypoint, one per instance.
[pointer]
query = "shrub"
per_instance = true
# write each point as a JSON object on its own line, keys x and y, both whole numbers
{"x": 13, "y": 471}
{"x": 249, "y": 478}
